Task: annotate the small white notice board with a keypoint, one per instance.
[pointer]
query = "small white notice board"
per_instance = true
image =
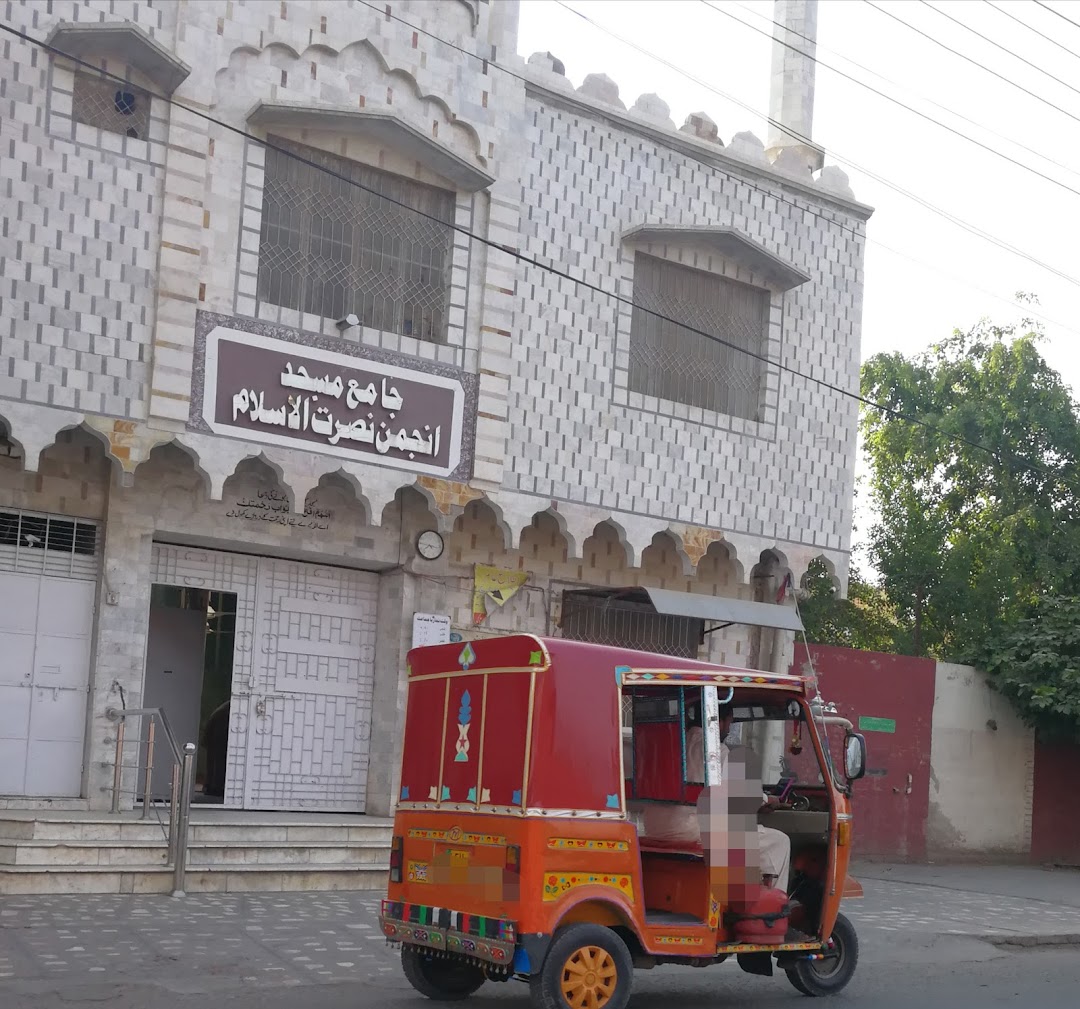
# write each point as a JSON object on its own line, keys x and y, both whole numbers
{"x": 430, "y": 629}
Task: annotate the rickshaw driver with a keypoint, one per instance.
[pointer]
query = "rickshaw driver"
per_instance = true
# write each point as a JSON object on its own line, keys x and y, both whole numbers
{"x": 681, "y": 823}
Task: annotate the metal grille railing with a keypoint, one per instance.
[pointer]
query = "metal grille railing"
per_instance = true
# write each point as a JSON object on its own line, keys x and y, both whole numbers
{"x": 32, "y": 543}
{"x": 610, "y": 620}
{"x": 107, "y": 105}
{"x": 671, "y": 362}
{"x": 332, "y": 249}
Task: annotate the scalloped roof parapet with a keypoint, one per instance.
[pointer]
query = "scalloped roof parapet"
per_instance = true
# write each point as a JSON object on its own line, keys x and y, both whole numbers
{"x": 702, "y": 126}
{"x": 653, "y": 107}
{"x": 603, "y": 89}
{"x": 544, "y": 70}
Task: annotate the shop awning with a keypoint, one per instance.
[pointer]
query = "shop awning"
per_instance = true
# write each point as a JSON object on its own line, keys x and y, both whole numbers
{"x": 719, "y": 610}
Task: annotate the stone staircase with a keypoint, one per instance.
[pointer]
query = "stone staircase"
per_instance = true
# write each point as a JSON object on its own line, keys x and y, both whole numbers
{"x": 229, "y": 852}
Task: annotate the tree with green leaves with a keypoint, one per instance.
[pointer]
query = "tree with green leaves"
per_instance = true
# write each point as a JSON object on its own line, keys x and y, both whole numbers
{"x": 1035, "y": 662}
{"x": 864, "y": 620}
{"x": 974, "y": 448}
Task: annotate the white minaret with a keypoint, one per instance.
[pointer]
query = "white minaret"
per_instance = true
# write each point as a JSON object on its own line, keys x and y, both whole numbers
{"x": 791, "y": 97}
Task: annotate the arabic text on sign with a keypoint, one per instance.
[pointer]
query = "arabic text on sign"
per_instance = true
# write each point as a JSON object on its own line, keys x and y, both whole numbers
{"x": 302, "y": 413}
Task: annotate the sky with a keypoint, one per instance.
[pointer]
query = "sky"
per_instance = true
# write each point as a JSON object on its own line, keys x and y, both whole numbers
{"x": 925, "y": 275}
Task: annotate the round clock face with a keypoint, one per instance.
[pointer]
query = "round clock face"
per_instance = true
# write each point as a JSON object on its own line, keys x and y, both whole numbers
{"x": 430, "y": 545}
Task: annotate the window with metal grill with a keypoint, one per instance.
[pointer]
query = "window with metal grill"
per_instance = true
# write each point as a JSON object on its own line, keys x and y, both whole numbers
{"x": 108, "y": 105}
{"x": 626, "y": 619}
{"x": 46, "y": 544}
{"x": 669, "y": 361}
{"x": 330, "y": 248}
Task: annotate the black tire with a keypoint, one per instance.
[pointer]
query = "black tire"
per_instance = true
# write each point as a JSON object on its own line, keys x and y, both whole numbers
{"x": 438, "y": 979}
{"x": 596, "y": 953}
{"x": 818, "y": 978}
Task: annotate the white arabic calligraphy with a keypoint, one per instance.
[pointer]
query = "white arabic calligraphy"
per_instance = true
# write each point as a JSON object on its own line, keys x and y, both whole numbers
{"x": 300, "y": 413}
{"x": 302, "y": 380}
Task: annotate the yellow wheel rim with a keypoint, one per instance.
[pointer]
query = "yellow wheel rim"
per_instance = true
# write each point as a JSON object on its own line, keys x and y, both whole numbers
{"x": 589, "y": 977}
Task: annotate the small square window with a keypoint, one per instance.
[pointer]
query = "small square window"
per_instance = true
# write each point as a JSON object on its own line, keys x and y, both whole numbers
{"x": 109, "y": 105}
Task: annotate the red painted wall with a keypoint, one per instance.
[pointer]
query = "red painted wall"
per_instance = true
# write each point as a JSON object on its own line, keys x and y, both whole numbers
{"x": 891, "y": 809}
{"x": 1055, "y": 814}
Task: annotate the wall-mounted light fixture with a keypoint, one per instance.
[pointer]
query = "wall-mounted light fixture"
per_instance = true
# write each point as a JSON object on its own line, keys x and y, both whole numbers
{"x": 350, "y": 321}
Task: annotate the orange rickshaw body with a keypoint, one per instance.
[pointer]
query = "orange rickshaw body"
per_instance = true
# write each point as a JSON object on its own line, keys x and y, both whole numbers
{"x": 513, "y": 818}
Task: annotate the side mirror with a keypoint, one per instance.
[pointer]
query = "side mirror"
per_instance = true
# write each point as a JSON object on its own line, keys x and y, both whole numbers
{"x": 854, "y": 756}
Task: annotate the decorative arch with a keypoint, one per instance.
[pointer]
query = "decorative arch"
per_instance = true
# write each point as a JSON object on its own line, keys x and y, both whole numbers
{"x": 554, "y": 516}
{"x": 409, "y": 512}
{"x": 175, "y": 448}
{"x": 115, "y": 464}
{"x": 479, "y": 535}
{"x": 545, "y": 546}
{"x": 665, "y": 562}
{"x": 176, "y": 468}
{"x": 719, "y": 572}
{"x": 605, "y": 552}
{"x": 343, "y": 487}
{"x": 347, "y": 59}
{"x": 259, "y": 470}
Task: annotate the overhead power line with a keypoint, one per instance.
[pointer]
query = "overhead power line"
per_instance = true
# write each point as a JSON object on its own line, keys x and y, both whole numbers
{"x": 930, "y": 101}
{"x": 936, "y": 270}
{"x": 1034, "y": 468}
{"x": 972, "y": 60}
{"x": 895, "y": 101}
{"x": 1052, "y": 10}
{"x": 1032, "y": 28}
{"x": 998, "y": 45}
{"x": 959, "y": 222}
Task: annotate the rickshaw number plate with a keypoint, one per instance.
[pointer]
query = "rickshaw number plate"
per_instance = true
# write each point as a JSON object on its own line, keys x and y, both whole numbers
{"x": 459, "y": 857}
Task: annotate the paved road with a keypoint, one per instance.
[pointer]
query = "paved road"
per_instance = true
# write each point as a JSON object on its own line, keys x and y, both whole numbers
{"x": 1042, "y": 979}
{"x": 256, "y": 950}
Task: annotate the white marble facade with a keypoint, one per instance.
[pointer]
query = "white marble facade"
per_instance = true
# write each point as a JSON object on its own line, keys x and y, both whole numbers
{"x": 119, "y": 253}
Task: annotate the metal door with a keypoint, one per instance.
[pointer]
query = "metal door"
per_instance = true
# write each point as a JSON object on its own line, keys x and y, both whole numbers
{"x": 309, "y": 712}
{"x": 48, "y": 567}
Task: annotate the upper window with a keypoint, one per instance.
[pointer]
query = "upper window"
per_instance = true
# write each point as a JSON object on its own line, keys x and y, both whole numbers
{"x": 331, "y": 248}
{"x": 670, "y": 361}
{"x": 108, "y": 105}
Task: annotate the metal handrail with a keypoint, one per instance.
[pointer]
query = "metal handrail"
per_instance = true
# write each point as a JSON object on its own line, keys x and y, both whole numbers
{"x": 180, "y": 792}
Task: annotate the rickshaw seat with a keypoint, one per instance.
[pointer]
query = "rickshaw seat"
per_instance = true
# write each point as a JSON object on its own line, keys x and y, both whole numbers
{"x": 658, "y": 846}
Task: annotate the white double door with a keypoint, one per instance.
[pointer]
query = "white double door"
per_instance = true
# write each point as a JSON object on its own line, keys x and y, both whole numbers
{"x": 46, "y": 628}
{"x": 303, "y": 676}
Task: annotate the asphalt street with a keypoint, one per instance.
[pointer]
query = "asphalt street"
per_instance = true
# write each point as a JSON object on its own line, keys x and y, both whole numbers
{"x": 1044, "y": 979}
{"x": 324, "y": 951}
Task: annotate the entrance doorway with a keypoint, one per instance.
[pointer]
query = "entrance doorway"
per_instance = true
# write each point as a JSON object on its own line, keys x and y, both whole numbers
{"x": 189, "y": 672}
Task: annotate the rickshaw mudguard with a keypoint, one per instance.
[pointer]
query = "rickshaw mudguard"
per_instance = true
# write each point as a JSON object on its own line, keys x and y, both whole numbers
{"x": 852, "y": 889}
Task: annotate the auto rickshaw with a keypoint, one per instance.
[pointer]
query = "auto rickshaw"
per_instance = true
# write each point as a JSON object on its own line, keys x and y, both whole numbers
{"x": 519, "y": 850}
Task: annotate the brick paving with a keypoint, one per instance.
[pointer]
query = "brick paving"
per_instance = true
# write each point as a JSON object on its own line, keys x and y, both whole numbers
{"x": 215, "y": 941}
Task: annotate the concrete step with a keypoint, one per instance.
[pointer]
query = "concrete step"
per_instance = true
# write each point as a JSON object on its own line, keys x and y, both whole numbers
{"x": 255, "y": 830}
{"x": 82, "y": 853}
{"x": 38, "y": 879}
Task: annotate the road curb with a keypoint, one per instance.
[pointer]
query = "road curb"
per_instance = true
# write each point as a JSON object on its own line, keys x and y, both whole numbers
{"x": 1059, "y": 939}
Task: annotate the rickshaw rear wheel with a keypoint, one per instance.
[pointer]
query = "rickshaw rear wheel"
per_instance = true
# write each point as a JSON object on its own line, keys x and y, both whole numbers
{"x": 440, "y": 980}
{"x": 586, "y": 967}
{"x": 818, "y": 978}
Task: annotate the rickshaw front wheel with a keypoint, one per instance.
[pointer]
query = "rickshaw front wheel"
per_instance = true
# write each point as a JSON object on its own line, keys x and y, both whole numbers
{"x": 440, "y": 980}
{"x": 586, "y": 967}
{"x": 817, "y": 978}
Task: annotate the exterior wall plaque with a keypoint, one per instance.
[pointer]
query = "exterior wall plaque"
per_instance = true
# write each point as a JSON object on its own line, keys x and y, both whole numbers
{"x": 263, "y": 389}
